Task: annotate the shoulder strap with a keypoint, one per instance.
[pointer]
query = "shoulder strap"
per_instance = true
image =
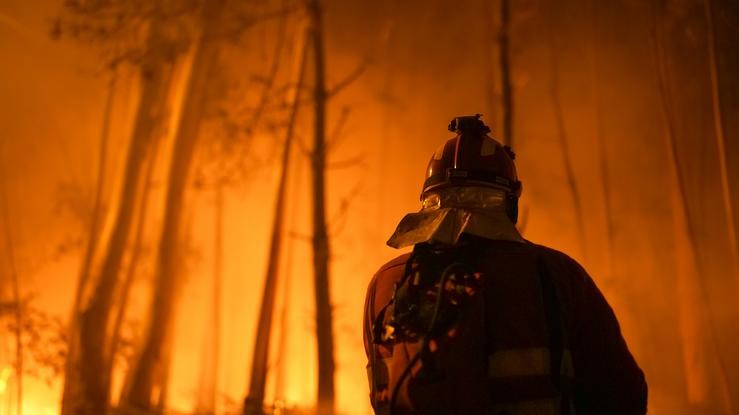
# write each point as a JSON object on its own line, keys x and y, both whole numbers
{"x": 555, "y": 330}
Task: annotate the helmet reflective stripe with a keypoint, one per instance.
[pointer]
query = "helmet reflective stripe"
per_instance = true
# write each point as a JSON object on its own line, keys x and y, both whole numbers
{"x": 533, "y": 364}
{"x": 534, "y": 361}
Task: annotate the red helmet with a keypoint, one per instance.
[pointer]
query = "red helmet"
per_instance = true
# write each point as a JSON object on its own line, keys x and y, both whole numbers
{"x": 472, "y": 158}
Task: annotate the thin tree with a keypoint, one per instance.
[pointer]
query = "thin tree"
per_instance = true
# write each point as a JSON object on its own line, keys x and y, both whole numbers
{"x": 149, "y": 371}
{"x": 206, "y": 404}
{"x": 133, "y": 262}
{"x": 320, "y": 241}
{"x": 505, "y": 71}
{"x": 684, "y": 227}
{"x": 83, "y": 280}
{"x": 97, "y": 207}
{"x": 284, "y": 340}
{"x": 271, "y": 76}
{"x": 86, "y": 386}
{"x": 15, "y": 284}
{"x": 253, "y": 404}
{"x": 491, "y": 73}
{"x": 605, "y": 182}
{"x": 718, "y": 127}
{"x": 562, "y": 136}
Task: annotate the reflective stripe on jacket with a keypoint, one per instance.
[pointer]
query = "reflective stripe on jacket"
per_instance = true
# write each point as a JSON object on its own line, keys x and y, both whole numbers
{"x": 500, "y": 359}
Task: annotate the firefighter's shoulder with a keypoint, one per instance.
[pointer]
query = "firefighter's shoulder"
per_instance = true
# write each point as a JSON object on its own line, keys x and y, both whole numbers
{"x": 386, "y": 276}
{"x": 574, "y": 284}
{"x": 397, "y": 262}
{"x": 558, "y": 260}
{"x": 566, "y": 272}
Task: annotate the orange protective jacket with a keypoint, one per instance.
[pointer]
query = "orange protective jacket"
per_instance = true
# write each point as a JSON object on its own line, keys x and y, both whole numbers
{"x": 539, "y": 338}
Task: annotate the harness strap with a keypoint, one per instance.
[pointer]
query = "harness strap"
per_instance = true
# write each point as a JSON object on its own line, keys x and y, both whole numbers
{"x": 555, "y": 330}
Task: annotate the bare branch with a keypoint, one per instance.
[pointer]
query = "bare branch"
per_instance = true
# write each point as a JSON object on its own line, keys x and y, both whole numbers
{"x": 269, "y": 79}
{"x": 356, "y": 161}
{"x": 299, "y": 236}
{"x": 336, "y": 135}
{"x": 349, "y": 79}
{"x": 338, "y": 222}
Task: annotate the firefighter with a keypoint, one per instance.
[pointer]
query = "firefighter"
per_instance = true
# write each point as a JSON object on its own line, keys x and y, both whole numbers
{"x": 478, "y": 320}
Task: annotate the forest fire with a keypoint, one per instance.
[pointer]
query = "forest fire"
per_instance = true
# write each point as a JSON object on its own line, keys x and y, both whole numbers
{"x": 195, "y": 194}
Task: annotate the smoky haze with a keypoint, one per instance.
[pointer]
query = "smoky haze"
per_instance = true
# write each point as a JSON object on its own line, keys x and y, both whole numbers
{"x": 143, "y": 147}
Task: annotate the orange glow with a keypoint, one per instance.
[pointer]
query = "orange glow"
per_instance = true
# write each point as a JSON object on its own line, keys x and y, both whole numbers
{"x": 663, "y": 260}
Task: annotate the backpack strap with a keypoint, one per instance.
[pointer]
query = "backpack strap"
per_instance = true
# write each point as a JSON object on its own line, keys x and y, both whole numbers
{"x": 560, "y": 360}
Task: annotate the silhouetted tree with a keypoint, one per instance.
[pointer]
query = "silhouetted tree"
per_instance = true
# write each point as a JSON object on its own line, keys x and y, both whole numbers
{"x": 320, "y": 241}
{"x": 87, "y": 384}
{"x": 505, "y": 71}
{"x": 97, "y": 208}
{"x": 16, "y": 306}
{"x": 208, "y": 387}
{"x": 562, "y": 136}
{"x": 253, "y": 404}
{"x": 492, "y": 47}
{"x": 148, "y": 373}
{"x": 698, "y": 324}
{"x": 137, "y": 246}
{"x": 718, "y": 127}
{"x": 603, "y": 165}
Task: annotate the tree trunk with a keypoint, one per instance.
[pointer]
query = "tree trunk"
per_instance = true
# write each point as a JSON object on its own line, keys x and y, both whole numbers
{"x": 274, "y": 67}
{"x": 724, "y": 32}
{"x": 505, "y": 71}
{"x": 602, "y": 143}
{"x": 97, "y": 209}
{"x": 282, "y": 371}
{"x": 254, "y": 402}
{"x": 92, "y": 245}
{"x": 491, "y": 72}
{"x": 146, "y": 381}
{"x": 15, "y": 287}
{"x": 718, "y": 127}
{"x": 564, "y": 142}
{"x": 206, "y": 403}
{"x": 284, "y": 338}
{"x": 697, "y": 325}
{"x": 132, "y": 263}
{"x": 86, "y": 386}
{"x": 321, "y": 247}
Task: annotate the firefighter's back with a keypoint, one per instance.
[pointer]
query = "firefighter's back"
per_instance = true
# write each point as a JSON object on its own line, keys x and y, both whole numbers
{"x": 533, "y": 335}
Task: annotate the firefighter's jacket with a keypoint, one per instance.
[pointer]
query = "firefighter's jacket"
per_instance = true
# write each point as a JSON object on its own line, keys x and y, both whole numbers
{"x": 539, "y": 338}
